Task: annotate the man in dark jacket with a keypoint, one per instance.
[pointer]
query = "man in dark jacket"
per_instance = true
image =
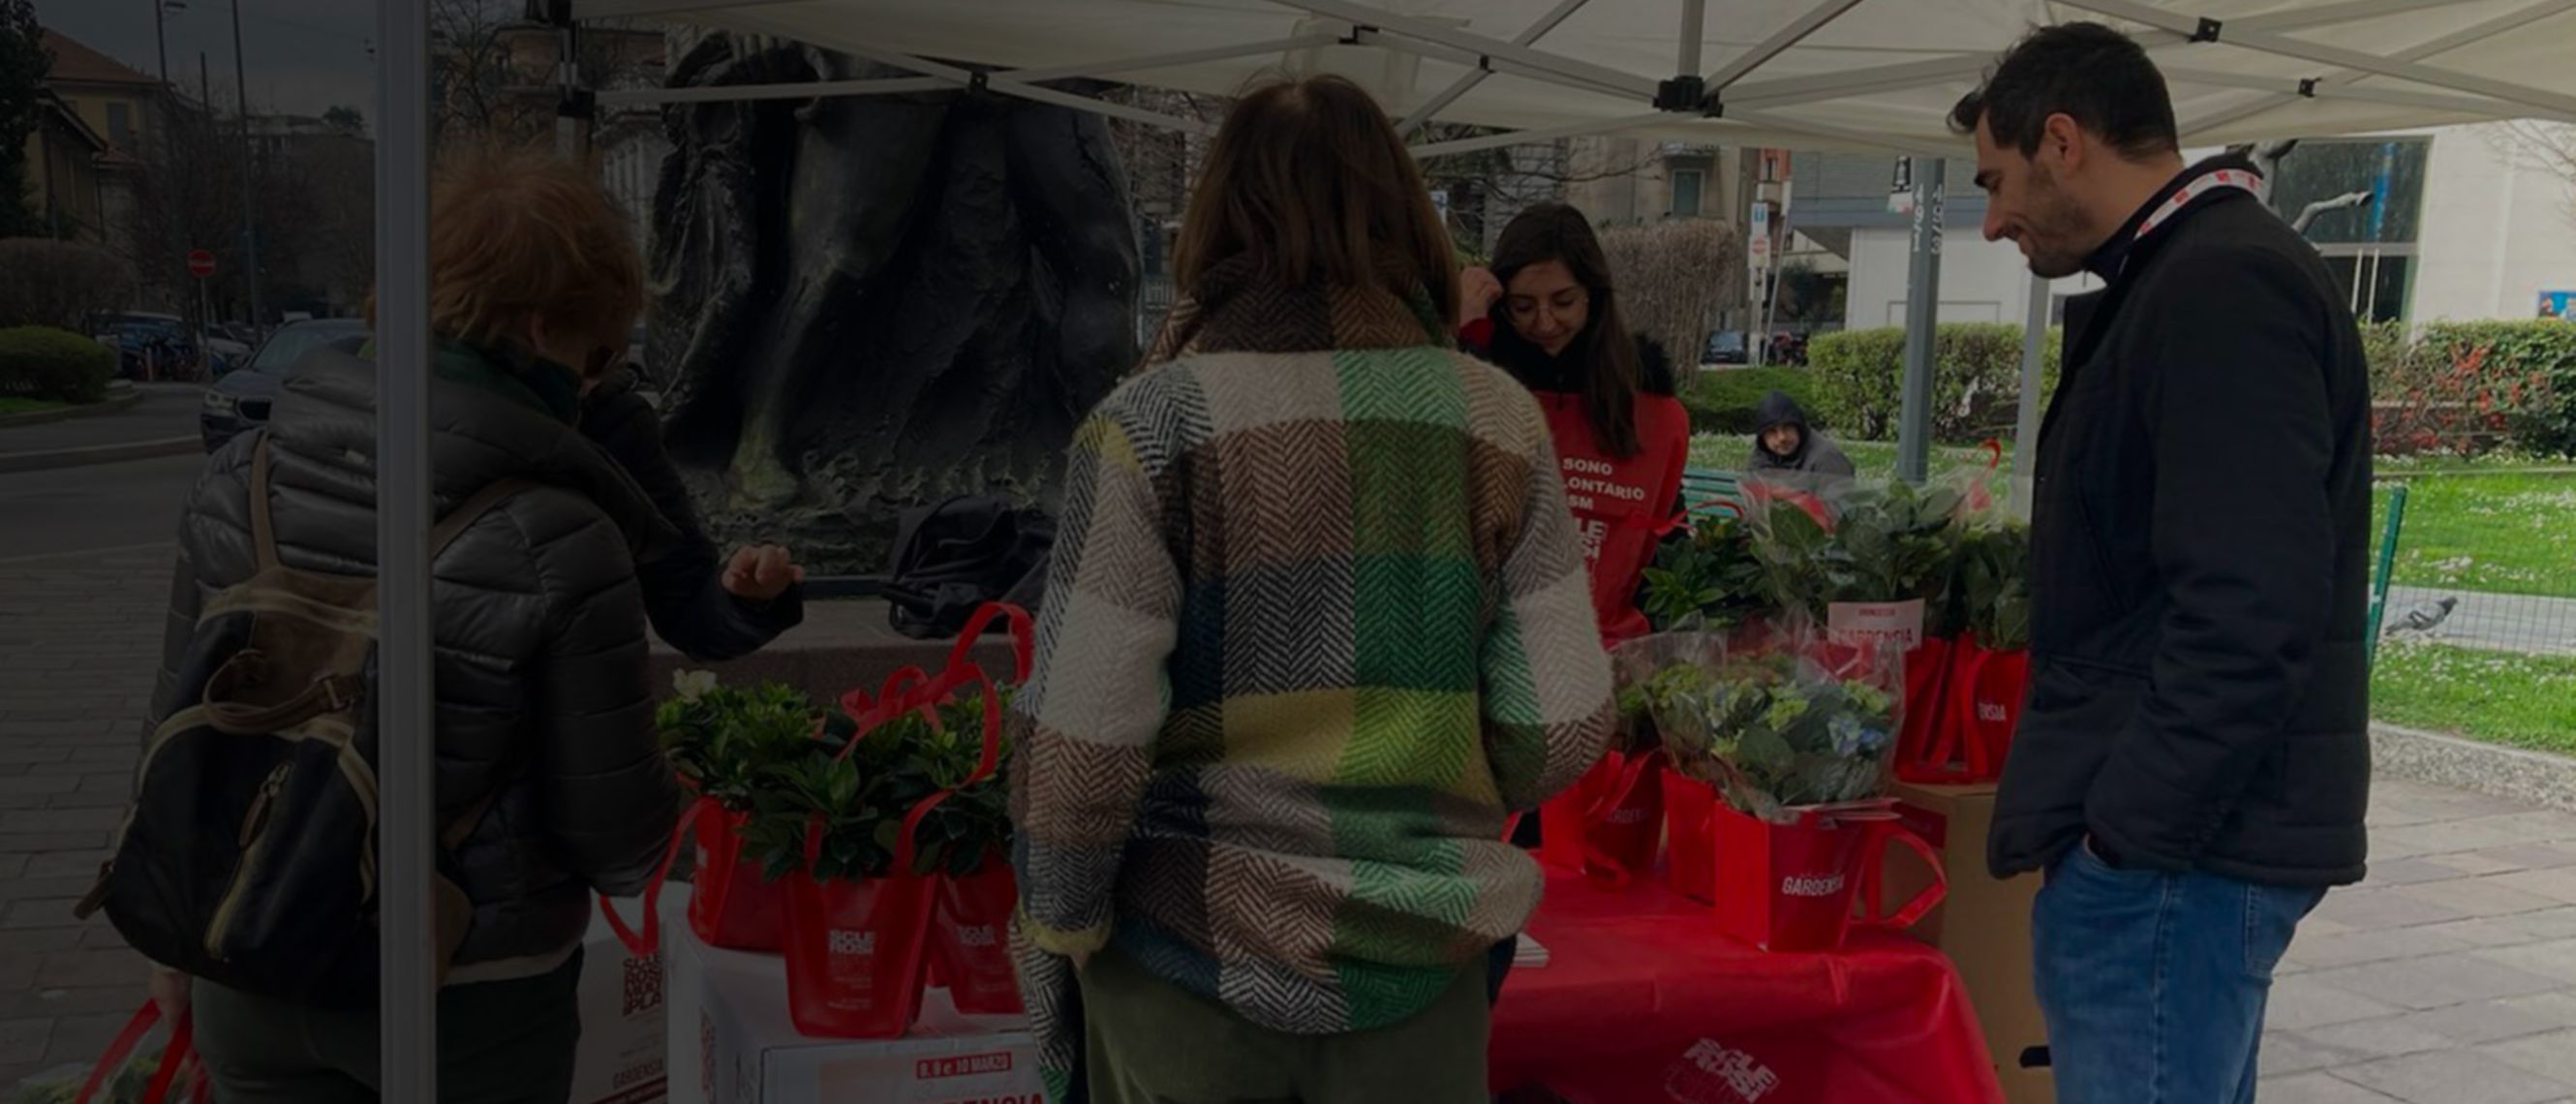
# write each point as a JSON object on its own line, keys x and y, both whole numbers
{"x": 1784, "y": 441}
{"x": 2192, "y": 765}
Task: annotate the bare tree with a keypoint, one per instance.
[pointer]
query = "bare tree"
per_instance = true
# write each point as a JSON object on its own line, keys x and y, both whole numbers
{"x": 495, "y": 72}
{"x": 2549, "y": 144}
{"x": 1674, "y": 276}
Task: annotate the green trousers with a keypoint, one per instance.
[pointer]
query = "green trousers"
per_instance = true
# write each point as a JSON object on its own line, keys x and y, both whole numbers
{"x": 1151, "y": 1042}
{"x": 501, "y": 1042}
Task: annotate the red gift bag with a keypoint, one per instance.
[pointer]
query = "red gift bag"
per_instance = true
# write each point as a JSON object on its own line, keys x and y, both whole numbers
{"x": 1789, "y": 886}
{"x": 734, "y": 905}
{"x": 1927, "y": 735}
{"x": 1989, "y": 707}
{"x": 970, "y": 950}
{"x": 1607, "y": 826}
{"x": 854, "y": 953}
{"x": 1690, "y": 840}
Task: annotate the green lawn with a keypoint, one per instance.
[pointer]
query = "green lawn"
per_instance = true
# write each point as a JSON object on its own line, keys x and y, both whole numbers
{"x": 2497, "y": 697}
{"x": 2506, "y": 533}
{"x": 1874, "y": 458}
{"x": 12, "y": 404}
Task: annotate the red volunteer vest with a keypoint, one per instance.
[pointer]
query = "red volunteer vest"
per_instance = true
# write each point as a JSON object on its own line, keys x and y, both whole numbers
{"x": 1621, "y": 506}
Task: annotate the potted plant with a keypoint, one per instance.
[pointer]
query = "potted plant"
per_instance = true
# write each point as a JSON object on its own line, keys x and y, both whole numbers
{"x": 727, "y": 743}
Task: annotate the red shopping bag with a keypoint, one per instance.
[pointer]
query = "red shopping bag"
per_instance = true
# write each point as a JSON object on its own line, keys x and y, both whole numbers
{"x": 180, "y": 1055}
{"x": 858, "y": 950}
{"x": 1789, "y": 886}
{"x": 1607, "y": 826}
{"x": 733, "y": 905}
{"x": 1990, "y": 706}
{"x": 1926, "y": 734}
{"x": 1690, "y": 840}
{"x": 970, "y": 950}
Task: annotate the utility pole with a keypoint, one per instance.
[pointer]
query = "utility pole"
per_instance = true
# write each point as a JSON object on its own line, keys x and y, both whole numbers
{"x": 161, "y": 42}
{"x": 250, "y": 162}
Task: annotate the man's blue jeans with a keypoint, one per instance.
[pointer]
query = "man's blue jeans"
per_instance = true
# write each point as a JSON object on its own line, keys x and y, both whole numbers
{"x": 2153, "y": 984}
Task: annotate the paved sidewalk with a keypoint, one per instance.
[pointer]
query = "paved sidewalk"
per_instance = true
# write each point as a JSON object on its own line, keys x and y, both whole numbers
{"x": 2449, "y": 979}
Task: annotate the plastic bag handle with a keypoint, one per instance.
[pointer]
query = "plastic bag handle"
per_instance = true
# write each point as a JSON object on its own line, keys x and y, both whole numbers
{"x": 180, "y": 1052}
{"x": 1023, "y": 637}
{"x": 1873, "y": 881}
{"x": 647, "y": 941}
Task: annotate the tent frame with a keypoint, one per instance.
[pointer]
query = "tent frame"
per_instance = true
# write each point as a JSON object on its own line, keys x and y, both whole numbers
{"x": 1692, "y": 99}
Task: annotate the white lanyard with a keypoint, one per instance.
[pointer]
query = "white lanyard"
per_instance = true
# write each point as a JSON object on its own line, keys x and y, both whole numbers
{"x": 2212, "y": 181}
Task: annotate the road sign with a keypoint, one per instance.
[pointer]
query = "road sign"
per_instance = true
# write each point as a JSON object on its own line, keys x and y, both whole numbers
{"x": 201, "y": 263}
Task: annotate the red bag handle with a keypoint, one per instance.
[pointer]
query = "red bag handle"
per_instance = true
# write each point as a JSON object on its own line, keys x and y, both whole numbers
{"x": 182, "y": 1048}
{"x": 647, "y": 941}
{"x": 1873, "y": 881}
{"x": 900, "y": 699}
{"x": 1023, "y": 637}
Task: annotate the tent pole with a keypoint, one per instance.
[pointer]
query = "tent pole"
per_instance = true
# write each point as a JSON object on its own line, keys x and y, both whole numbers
{"x": 1779, "y": 43}
{"x": 404, "y": 697}
{"x": 2280, "y": 45}
{"x": 1529, "y": 36}
{"x": 1922, "y": 307}
{"x": 1479, "y": 46}
{"x": 2465, "y": 36}
{"x": 1694, "y": 32}
{"x": 2034, "y": 361}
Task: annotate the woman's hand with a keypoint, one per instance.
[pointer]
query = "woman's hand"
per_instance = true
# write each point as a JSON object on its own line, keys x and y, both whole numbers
{"x": 1477, "y": 291}
{"x": 761, "y": 572}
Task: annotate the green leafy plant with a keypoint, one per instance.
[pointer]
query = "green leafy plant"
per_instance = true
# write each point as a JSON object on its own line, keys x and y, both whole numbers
{"x": 1993, "y": 586}
{"x": 726, "y": 740}
{"x": 1713, "y": 580}
{"x": 1890, "y": 542}
{"x": 1773, "y": 732}
{"x": 862, "y": 799}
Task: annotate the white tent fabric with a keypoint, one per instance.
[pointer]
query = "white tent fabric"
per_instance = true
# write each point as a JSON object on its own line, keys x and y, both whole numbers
{"x": 1802, "y": 73}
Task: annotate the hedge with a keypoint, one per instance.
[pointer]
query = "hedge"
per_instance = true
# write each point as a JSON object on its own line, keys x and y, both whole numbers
{"x": 40, "y": 362}
{"x": 1723, "y": 400}
{"x": 2511, "y": 382}
{"x": 1976, "y": 382}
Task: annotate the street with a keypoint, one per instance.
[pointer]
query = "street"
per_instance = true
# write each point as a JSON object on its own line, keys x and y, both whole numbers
{"x": 77, "y": 511}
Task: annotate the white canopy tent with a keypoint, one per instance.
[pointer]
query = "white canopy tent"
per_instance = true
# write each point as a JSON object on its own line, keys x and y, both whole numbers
{"x": 1848, "y": 74}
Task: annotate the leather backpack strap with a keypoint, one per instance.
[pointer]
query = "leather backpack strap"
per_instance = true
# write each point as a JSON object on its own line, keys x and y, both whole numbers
{"x": 263, "y": 528}
{"x": 470, "y": 511}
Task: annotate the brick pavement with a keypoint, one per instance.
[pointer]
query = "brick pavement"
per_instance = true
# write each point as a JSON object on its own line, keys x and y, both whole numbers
{"x": 2450, "y": 977}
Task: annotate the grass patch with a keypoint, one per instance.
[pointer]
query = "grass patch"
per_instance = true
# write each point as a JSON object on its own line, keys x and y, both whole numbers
{"x": 2503, "y": 533}
{"x": 2497, "y": 697}
{"x": 1874, "y": 459}
{"x": 12, "y": 404}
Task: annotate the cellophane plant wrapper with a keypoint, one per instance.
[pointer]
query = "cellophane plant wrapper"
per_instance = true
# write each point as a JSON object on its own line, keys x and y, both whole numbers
{"x": 1771, "y": 729}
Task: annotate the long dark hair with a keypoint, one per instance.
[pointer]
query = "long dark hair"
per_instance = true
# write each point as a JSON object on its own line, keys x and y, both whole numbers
{"x": 1309, "y": 181}
{"x": 1605, "y": 350}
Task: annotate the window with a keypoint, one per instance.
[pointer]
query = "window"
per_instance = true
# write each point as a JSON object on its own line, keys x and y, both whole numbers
{"x": 120, "y": 125}
{"x": 1686, "y": 191}
{"x": 2374, "y": 280}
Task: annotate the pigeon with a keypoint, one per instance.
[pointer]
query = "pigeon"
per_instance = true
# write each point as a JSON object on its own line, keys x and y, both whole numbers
{"x": 2424, "y": 616}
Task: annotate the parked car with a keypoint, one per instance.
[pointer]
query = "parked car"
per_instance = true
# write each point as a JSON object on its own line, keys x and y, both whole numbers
{"x": 239, "y": 402}
{"x": 1724, "y": 347}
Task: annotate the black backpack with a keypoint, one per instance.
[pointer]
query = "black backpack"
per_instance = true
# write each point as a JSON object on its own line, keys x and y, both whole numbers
{"x": 952, "y": 558}
{"x": 248, "y": 856}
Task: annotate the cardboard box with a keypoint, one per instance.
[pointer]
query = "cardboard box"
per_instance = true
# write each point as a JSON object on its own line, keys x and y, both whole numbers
{"x": 1983, "y": 925}
{"x": 733, "y": 1043}
{"x": 623, "y": 1038}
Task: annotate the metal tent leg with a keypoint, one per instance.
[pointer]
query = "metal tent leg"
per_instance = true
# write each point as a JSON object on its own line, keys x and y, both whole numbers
{"x": 2034, "y": 361}
{"x": 408, "y": 1004}
{"x": 1922, "y": 308}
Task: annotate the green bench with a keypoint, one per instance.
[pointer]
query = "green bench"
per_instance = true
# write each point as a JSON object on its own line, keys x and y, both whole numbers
{"x": 1709, "y": 493}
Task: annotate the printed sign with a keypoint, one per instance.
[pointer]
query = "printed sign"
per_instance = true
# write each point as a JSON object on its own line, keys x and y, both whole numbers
{"x": 1863, "y": 624}
{"x": 2558, "y": 304}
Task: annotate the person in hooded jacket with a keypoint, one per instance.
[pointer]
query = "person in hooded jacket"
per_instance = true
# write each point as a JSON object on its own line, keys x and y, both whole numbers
{"x": 1547, "y": 313}
{"x": 1784, "y": 441}
{"x": 544, "y": 712}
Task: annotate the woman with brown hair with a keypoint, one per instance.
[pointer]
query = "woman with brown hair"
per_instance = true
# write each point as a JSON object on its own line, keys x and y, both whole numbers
{"x": 1548, "y": 312}
{"x": 1316, "y": 624}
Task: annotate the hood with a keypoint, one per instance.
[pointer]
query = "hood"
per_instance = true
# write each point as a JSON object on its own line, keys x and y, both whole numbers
{"x": 326, "y": 414}
{"x": 1777, "y": 409}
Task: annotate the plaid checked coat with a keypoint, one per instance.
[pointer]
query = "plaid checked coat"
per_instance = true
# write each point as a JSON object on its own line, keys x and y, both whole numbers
{"x": 1317, "y": 620}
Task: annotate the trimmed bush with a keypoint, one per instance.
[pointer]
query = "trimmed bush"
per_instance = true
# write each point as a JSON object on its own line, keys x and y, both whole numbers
{"x": 40, "y": 362}
{"x": 1976, "y": 382}
{"x": 1722, "y": 400}
{"x": 2468, "y": 387}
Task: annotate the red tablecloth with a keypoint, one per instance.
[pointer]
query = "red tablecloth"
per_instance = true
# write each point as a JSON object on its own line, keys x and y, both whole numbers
{"x": 1642, "y": 1000}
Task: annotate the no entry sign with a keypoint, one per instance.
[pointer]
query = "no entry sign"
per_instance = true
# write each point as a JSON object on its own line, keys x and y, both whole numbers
{"x": 201, "y": 263}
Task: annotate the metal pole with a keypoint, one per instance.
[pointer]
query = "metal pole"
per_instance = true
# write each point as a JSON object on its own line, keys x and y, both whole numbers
{"x": 161, "y": 44}
{"x": 2034, "y": 354}
{"x": 250, "y": 158}
{"x": 1694, "y": 28}
{"x": 405, "y": 696}
{"x": 1922, "y": 306}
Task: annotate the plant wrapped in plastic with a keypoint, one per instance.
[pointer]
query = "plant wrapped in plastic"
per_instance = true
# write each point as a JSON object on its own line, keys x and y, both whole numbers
{"x": 1770, "y": 730}
{"x": 1880, "y": 541}
{"x": 1713, "y": 581}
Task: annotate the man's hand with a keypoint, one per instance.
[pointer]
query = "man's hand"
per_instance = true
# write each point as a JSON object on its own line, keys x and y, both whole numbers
{"x": 761, "y": 572}
{"x": 170, "y": 992}
{"x": 1477, "y": 291}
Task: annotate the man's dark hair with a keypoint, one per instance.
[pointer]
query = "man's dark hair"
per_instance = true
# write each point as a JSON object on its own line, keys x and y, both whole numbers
{"x": 2086, "y": 71}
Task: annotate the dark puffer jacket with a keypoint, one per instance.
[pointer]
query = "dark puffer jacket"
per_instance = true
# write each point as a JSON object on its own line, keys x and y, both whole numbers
{"x": 539, "y": 627}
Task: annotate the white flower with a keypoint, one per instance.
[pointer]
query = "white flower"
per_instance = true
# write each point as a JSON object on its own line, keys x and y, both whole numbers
{"x": 692, "y": 684}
